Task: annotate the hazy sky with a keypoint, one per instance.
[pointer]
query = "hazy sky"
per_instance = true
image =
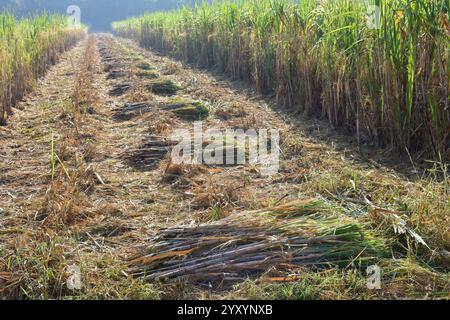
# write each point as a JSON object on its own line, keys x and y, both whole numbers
{"x": 98, "y": 14}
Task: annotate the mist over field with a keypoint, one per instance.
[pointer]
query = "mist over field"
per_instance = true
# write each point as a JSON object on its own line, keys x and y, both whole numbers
{"x": 97, "y": 14}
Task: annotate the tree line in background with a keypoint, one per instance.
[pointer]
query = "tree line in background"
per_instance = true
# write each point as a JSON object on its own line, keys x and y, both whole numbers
{"x": 97, "y": 14}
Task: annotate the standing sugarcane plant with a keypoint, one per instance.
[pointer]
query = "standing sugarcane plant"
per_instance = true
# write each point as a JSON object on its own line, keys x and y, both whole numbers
{"x": 27, "y": 48}
{"x": 387, "y": 82}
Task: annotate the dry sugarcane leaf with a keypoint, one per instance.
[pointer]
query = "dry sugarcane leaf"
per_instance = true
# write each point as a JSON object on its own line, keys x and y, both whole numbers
{"x": 400, "y": 226}
{"x": 282, "y": 279}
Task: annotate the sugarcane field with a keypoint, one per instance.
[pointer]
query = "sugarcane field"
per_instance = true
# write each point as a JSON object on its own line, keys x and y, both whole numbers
{"x": 270, "y": 150}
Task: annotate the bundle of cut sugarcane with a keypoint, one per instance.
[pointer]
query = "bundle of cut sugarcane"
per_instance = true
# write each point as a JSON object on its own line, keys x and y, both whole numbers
{"x": 301, "y": 233}
{"x": 187, "y": 109}
{"x": 116, "y": 74}
{"x": 120, "y": 89}
{"x": 131, "y": 110}
{"x": 152, "y": 150}
{"x": 164, "y": 88}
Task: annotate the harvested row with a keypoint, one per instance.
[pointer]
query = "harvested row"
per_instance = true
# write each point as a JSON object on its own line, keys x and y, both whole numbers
{"x": 51, "y": 196}
{"x": 27, "y": 48}
{"x": 84, "y": 93}
{"x": 72, "y": 177}
{"x": 140, "y": 72}
{"x": 385, "y": 81}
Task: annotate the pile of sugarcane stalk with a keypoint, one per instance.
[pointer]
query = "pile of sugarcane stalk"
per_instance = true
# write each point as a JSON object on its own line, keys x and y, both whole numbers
{"x": 148, "y": 155}
{"x": 131, "y": 110}
{"x": 120, "y": 89}
{"x": 188, "y": 110}
{"x": 247, "y": 244}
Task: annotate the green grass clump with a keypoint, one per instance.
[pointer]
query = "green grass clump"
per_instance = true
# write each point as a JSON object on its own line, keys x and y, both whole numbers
{"x": 188, "y": 110}
{"x": 164, "y": 88}
{"x": 145, "y": 66}
{"x": 148, "y": 75}
{"x": 388, "y": 84}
